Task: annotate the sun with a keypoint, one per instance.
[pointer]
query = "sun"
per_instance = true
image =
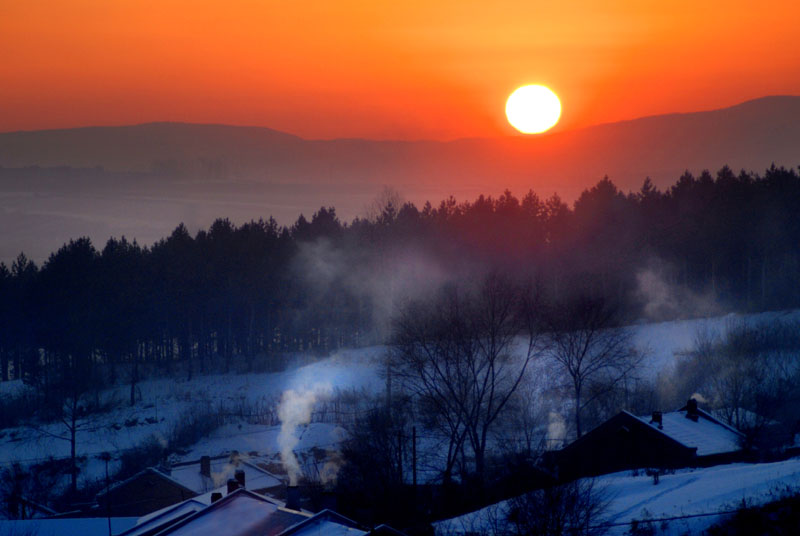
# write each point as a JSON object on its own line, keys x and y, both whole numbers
{"x": 533, "y": 109}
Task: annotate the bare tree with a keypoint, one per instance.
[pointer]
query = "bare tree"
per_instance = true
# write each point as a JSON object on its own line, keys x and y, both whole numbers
{"x": 594, "y": 354}
{"x": 576, "y": 508}
{"x": 464, "y": 353}
{"x": 752, "y": 377}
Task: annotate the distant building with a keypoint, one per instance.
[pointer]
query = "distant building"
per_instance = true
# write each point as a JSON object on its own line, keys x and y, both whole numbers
{"x": 683, "y": 438}
{"x": 154, "y": 489}
{"x": 208, "y": 474}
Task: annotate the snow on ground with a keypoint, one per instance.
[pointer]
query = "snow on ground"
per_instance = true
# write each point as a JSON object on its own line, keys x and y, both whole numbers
{"x": 166, "y": 402}
{"x": 664, "y": 342}
{"x": 689, "y": 492}
{"x": 259, "y": 440}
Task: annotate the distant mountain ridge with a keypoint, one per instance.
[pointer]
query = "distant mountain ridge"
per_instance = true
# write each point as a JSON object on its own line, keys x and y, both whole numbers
{"x": 142, "y": 180}
{"x": 751, "y": 135}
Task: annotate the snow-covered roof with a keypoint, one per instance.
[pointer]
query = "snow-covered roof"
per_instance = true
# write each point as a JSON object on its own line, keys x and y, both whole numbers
{"x": 222, "y": 469}
{"x": 240, "y": 513}
{"x": 688, "y": 492}
{"x": 325, "y": 522}
{"x": 162, "y": 517}
{"x": 706, "y": 434}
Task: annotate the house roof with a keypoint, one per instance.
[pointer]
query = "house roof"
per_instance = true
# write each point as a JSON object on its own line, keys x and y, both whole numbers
{"x": 708, "y": 435}
{"x": 325, "y": 522}
{"x": 149, "y": 472}
{"x": 386, "y": 529}
{"x": 222, "y": 469}
{"x": 161, "y": 519}
{"x": 240, "y": 513}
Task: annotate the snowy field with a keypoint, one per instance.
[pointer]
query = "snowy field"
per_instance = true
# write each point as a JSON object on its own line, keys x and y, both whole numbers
{"x": 693, "y": 496}
{"x": 165, "y": 402}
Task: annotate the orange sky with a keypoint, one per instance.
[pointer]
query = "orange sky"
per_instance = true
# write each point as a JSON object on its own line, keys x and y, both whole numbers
{"x": 380, "y": 69}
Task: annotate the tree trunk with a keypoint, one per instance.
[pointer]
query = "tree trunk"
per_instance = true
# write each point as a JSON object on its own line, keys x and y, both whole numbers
{"x": 135, "y": 374}
{"x": 73, "y": 460}
{"x": 578, "y": 411}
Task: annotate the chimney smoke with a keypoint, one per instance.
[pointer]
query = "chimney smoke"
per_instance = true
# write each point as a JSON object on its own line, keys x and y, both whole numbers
{"x": 294, "y": 410}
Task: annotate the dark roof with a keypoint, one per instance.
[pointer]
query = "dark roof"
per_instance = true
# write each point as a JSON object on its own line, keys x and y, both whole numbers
{"x": 151, "y": 472}
{"x": 629, "y": 419}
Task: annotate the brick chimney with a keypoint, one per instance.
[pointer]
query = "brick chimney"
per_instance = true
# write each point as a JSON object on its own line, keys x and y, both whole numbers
{"x": 239, "y": 476}
{"x": 293, "y": 498}
{"x": 658, "y": 419}
{"x": 205, "y": 466}
{"x": 215, "y": 497}
{"x": 233, "y": 485}
{"x": 691, "y": 410}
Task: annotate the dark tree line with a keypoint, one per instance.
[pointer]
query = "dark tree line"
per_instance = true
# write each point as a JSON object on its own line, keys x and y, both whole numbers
{"x": 242, "y": 296}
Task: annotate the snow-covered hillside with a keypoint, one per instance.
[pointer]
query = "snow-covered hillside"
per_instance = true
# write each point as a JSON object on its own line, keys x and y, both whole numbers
{"x": 166, "y": 402}
{"x": 686, "y": 502}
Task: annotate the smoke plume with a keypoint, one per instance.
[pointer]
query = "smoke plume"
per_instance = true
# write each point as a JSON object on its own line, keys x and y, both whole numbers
{"x": 665, "y": 299}
{"x": 295, "y": 410}
{"x": 556, "y": 429}
{"x": 384, "y": 281}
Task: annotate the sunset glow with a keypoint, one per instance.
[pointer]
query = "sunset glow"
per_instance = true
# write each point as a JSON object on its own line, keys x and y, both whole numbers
{"x": 409, "y": 70}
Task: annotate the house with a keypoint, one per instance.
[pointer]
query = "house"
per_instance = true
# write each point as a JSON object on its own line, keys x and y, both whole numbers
{"x": 683, "y": 438}
{"x": 210, "y": 473}
{"x": 144, "y": 492}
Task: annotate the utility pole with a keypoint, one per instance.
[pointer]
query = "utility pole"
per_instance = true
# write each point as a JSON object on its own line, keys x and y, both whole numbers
{"x": 106, "y": 457}
{"x": 414, "y": 456}
{"x": 400, "y": 454}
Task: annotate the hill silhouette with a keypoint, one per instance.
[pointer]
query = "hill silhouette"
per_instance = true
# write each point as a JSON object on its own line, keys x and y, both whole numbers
{"x": 142, "y": 180}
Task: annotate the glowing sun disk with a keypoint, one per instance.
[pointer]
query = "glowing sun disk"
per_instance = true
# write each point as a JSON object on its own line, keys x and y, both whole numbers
{"x": 533, "y": 109}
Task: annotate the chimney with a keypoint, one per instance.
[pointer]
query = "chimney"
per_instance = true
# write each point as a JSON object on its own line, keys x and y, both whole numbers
{"x": 239, "y": 476}
{"x": 658, "y": 419}
{"x": 235, "y": 457}
{"x": 233, "y": 485}
{"x": 691, "y": 410}
{"x": 293, "y": 498}
{"x": 215, "y": 497}
{"x": 205, "y": 466}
